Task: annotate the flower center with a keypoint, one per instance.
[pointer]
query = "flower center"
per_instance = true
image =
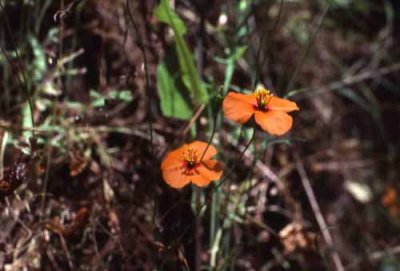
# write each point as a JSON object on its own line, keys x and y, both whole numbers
{"x": 190, "y": 161}
{"x": 263, "y": 96}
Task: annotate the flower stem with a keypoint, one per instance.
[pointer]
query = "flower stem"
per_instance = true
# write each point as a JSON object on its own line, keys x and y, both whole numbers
{"x": 198, "y": 229}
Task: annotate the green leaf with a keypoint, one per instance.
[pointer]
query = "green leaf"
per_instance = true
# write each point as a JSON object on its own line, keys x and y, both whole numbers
{"x": 173, "y": 104}
{"x": 165, "y": 14}
{"x": 38, "y": 66}
{"x": 99, "y": 99}
{"x": 230, "y": 65}
{"x": 190, "y": 76}
{"x": 121, "y": 95}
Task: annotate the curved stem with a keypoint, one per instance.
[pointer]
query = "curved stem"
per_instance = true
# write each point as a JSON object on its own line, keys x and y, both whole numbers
{"x": 240, "y": 156}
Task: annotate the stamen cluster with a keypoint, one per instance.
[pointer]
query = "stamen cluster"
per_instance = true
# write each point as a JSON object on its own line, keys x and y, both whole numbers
{"x": 270, "y": 112}
{"x": 191, "y": 163}
{"x": 263, "y": 96}
{"x": 190, "y": 157}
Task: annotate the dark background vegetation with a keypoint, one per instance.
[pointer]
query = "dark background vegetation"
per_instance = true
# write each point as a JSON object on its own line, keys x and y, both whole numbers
{"x": 82, "y": 188}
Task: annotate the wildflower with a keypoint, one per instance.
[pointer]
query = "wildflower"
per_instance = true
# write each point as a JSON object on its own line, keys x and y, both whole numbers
{"x": 390, "y": 201}
{"x": 270, "y": 112}
{"x": 191, "y": 163}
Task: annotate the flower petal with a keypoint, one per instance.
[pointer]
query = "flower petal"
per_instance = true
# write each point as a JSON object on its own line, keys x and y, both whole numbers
{"x": 215, "y": 167}
{"x": 280, "y": 104}
{"x": 274, "y": 122}
{"x": 200, "y": 147}
{"x": 239, "y": 107}
{"x": 173, "y": 159}
{"x": 209, "y": 171}
{"x": 200, "y": 180}
{"x": 175, "y": 178}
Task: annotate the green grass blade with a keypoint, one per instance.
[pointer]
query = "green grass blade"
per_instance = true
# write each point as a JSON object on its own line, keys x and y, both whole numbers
{"x": 172, "y": 101}
{"x": 190, "y": 76}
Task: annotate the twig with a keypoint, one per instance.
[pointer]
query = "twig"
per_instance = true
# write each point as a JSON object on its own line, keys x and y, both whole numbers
{"x": 350, "y": 80}
{"x": 68, "y": 58}
{"x": 268, "y": 173}
{"x": 259, "y": 65}
{"x": 2, "y": 151}
{"x": 65, "y": 11}
{"x": 374, "y": 256}
{"x": 142, "y": 48}
{"x": 242, "y": 152}
{"x": 66, "y": 251}
{"x": 317, "y": 212}
{"x": 193, "y": 119}
{"x": 307, "y": 50}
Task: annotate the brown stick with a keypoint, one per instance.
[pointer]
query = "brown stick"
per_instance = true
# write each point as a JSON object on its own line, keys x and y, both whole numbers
{"x": 317, "y": 212}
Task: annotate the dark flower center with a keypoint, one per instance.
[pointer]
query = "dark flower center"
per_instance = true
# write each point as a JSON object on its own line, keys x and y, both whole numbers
{"x": 190, "y": 161}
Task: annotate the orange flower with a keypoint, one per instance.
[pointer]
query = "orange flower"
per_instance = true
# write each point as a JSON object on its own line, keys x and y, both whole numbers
{"x": 390, "y": 201}
{"x": 270, "y": 112}
{"x": 191, "y": 163}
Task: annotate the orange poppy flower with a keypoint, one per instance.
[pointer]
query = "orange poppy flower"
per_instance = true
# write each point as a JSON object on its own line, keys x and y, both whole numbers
{"x": 191, "y": 163}
{"x": 270, "y": 112}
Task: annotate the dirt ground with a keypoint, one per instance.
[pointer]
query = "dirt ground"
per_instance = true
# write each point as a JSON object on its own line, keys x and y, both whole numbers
{"x": 86, "y": 121}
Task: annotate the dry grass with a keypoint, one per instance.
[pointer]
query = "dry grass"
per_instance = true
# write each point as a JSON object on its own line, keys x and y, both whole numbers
{"x": 81, "y": 187}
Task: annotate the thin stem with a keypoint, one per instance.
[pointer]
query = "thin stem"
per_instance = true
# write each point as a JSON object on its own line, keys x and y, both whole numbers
{"x": 258, "y": 54}
{"x": 317, "y": 212}
{"x": 346, "y": 81}
{"x": 20, "y": 67}
{"x": 49, "y": 146}
{"x": 240, "y": 157}
{"x": 307, "y": 50}
{"x": 146, "y": 73}
{"x": 198, "y": 230}
{"x": 2, "y": 151}
{"x": 212, "y": 135}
